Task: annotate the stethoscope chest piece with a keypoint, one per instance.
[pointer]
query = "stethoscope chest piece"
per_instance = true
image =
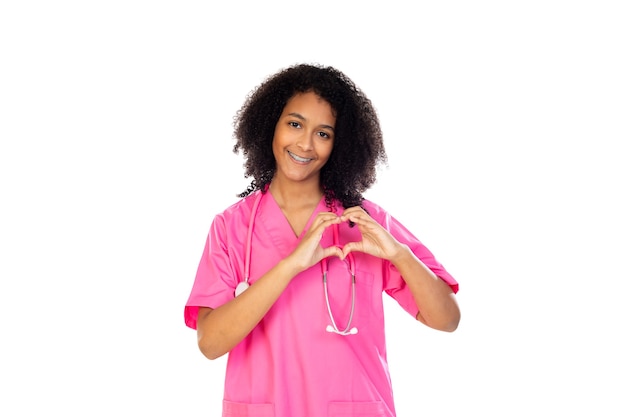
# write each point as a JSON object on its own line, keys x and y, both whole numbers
{"x": 241, "y": 287}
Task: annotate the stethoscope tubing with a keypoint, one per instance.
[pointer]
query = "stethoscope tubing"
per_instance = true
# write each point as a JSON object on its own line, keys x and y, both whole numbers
{"x": 324, "y": 265}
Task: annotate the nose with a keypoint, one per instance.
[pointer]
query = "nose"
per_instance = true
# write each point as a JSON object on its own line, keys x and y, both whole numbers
{"x": 305, "y": 141}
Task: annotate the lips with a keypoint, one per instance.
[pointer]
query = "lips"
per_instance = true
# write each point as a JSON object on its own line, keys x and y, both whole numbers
{"x": 298, "y": 158}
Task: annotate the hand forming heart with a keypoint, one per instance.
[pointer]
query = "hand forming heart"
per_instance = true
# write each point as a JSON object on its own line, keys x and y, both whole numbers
{"x": 375, "y": 240}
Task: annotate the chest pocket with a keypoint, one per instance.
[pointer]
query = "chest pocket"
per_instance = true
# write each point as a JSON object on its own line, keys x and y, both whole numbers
{"x": 360, "y": 409}
{"x": 233, "y": 409}
{"x": 365, "y": 300}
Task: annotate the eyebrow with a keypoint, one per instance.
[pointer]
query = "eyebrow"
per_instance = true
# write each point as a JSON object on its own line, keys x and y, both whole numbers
{"x": 301, "y": 117}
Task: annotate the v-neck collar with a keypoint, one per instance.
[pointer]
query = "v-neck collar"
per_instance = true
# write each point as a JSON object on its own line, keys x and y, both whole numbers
{"x": 273, "y": 229}
{"x": 280, "y": 220}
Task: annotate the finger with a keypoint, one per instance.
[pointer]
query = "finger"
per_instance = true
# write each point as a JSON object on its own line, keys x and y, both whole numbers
{"x": 325, "y": 217}
{"x": 357, "y": 218}
{"x": 352, "y": 247}
{"x": 353, "y": 211}
{"x": 324, "y": 221}
{"x": 333, "y": 251}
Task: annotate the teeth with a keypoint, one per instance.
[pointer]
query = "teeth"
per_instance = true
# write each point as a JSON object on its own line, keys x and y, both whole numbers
{"x": 297, "y": 158}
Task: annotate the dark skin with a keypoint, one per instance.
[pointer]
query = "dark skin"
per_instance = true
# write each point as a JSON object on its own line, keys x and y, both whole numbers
{"x": 303, "y": 141}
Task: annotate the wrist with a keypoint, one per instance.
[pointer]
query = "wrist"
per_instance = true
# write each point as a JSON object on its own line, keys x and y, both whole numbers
{"x": 289, "y": 267}
{"x": 402, "y": 255}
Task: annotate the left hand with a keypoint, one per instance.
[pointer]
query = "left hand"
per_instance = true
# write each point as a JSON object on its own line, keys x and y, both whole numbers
{"x": 376, "y": 241}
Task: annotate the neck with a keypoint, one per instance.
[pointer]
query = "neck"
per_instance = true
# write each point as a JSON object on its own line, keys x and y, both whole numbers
{"x": 294, "y": 195}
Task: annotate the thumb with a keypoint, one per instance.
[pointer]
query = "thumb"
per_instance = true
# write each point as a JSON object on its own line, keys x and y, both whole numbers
{"x": 333, "y": 251}
{"x": 351, "y": 247}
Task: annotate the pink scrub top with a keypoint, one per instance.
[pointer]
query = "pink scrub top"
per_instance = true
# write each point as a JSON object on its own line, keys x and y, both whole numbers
{"x": 289, "y": 365}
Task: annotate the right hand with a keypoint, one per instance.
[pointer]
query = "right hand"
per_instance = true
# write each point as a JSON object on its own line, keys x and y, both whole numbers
{"x": 309, "y": 251}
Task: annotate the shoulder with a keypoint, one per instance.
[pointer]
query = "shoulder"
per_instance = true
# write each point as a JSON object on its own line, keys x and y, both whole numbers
{"x": 374, "y": 210}
{"x": 382, "y": 216}
{"x": 242, "y": 205}
{"x": 240, "y": 209}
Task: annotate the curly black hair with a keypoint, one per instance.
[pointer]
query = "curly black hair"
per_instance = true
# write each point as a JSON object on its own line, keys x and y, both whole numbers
{"x": 358, "y": 147}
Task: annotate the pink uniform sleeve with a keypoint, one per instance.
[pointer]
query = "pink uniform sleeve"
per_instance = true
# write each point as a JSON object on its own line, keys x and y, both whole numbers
{"x": 215, "y": 280}
{"x": 393, "y": 283}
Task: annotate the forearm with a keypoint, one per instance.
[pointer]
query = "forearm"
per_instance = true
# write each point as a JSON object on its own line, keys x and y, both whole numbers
{"x": 221, "y": 329}
{"x": 436, "y": 300}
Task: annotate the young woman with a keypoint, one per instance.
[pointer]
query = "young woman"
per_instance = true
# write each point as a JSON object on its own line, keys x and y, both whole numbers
{"x": 291, "y": 280}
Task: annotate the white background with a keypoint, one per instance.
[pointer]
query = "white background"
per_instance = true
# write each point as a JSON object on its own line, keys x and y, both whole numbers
{"x": 505, "y": 127}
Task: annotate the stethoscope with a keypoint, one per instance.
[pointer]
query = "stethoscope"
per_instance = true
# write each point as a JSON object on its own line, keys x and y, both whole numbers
{"x": 332, "y": 328}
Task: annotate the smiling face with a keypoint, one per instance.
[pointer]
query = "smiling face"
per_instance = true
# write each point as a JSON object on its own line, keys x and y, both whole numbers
{"x": 303, "y": 138}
